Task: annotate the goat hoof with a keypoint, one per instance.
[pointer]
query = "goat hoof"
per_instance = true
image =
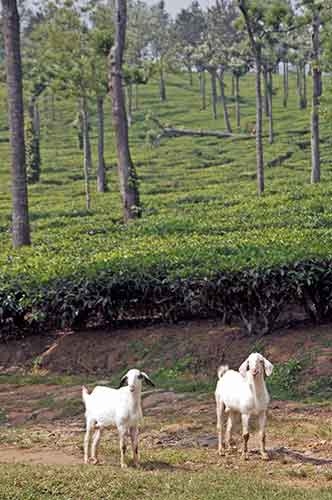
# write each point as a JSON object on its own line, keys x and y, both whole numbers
{"x": 245, "y": 456}
{"x": 124, "y": 466}
{"x": 265, "y": 456}
{"x": 222, "y": 452}
{"x": 94, "y": 461}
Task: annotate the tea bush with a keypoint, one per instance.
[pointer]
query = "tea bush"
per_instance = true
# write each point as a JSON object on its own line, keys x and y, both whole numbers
{"x": 206, "y": 244}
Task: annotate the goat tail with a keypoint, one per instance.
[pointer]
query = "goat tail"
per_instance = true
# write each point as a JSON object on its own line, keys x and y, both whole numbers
{"x": 85, "y": 394}
{"x": 222, "y": 370}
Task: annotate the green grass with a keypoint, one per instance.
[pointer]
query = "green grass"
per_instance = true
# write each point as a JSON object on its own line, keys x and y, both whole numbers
{"x": 53, "y": 379}
{"x": 201, "y": 213}
{"x": 86, "y": 483}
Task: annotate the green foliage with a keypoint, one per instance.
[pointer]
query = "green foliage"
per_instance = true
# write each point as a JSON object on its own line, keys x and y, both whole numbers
{"x": 283, "y": 381}
{"x": 320, "y": 389}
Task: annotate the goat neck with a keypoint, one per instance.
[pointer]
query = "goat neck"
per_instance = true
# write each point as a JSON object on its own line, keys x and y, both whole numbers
{"x": 257, "y": 385}
{"x": 135, "y": 397}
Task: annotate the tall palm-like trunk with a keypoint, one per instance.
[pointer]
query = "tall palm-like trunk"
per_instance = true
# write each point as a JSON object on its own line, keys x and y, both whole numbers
{"x": 202, "y": 88}
{"x": 224, "y": 103}
{"x": 190, "y": 72}
{"x": 285, "y": 84}
{"x": 20, "y": 214}
{"x": 316, "y": 93}
{"x": 259, "y": 128}
{"x": 213, "y": 74}
{"x": 305, "y": 98}
{"x": 127, "y": 173}
{"x": 257, "y": 52}
{"x": 266, "y": 90}
{"x": 162, "y": 85}
{"x": 136, "y": 97}
{"x": 270, "y": 100}
{"x": 301, "y": 86}
{"x": 87, "y": 161}
{"x": 237, "y": 101}
{"x": 101, "y": 173}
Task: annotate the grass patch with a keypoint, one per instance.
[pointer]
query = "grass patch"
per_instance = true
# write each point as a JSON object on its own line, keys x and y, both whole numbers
{"x": 48, "y": 379}
{"x": 49, "y": 403}
{"x": 173, "y": 483}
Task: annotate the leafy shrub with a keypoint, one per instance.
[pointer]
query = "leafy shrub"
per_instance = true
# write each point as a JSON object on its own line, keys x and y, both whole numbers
{"x": 256, "y": 298}
{"x": 283, "y": 381}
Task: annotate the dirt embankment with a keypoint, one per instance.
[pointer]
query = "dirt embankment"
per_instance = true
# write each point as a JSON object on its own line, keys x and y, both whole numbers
{"x": 204, "y": 344}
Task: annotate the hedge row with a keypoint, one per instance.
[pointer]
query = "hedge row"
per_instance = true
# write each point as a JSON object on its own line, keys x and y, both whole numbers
{"x": 256, "y": 298}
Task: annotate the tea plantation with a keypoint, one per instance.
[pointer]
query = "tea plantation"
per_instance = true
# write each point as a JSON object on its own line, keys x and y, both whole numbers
{"x": 206, "y": 244}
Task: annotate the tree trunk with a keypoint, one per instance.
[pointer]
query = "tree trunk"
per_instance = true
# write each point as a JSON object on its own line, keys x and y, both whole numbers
{"x": 127, "y": 173}
{"x": 202, "y": 83}
{"x": 285, "y": 81}
{"x": 36, "y": 121}
{"x": 257, "y": 51}
{"x": 223, "y": 102}
{"x": 214, "y": 93}
{"x": 191, "y": 81}
{"x": 237, "y": 101}
{"x": 136, "y": 96}
{"x": 270, "y": 98}
{"x": 130, "y": 104}
{"x": 299, "y": 81}
{"x": 101, "y": 174}
{"x": 266, "y": 91}
{"x": 87, "y": 164}
{"x": 316, "y": 93}
{"x": 162, "y": 86}
{"x": 32, "y": 156}
{"x": 170, "y": 132}
{"x": 305, "y": 99}
{"x": 259, "y": 129}
{"x": 233, "y": 85}
{"x": 20, "y": 214}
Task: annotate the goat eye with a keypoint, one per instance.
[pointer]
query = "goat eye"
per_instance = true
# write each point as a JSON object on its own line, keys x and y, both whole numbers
{"x": 140, "y": 376}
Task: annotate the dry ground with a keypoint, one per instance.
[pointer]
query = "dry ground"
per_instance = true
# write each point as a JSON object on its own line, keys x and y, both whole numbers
{"x": 45, "y": 425}
{"x": 42, "y": 423}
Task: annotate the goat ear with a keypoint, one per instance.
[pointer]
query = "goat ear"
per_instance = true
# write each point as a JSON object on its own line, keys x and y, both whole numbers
{"x": 268, "y": 367}
{"x": 244, "y": 367}
{"x": 147, "y": 379}
{"x": 123, "y": 381}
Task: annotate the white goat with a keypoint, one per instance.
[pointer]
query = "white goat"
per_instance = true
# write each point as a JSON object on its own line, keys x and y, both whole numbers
{"x": 243, "y": 392}
{"x": 120, "y": 407}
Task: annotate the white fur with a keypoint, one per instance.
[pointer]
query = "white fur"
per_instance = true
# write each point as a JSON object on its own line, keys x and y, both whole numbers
{"x": 120, "y": 407}
{"x": 243, "y": 392}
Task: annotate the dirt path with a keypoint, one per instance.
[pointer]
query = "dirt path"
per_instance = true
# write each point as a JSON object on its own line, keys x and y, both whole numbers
{"x": 298, "y": 434}
{"x": 37, "y": 456}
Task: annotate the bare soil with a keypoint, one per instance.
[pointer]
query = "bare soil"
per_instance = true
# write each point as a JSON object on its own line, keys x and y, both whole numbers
{"x": 208, "y": 343}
